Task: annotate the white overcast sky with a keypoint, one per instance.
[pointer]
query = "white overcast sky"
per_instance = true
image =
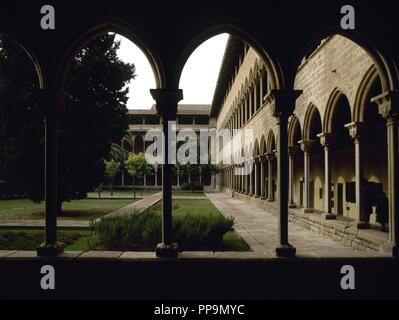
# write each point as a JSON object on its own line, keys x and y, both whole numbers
{"x": 198, "y": 79}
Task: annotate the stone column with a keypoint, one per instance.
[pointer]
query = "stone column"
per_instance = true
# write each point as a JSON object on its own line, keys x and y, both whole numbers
{"x": 326, "y": 140}
{"x": 283, "y": 102}
{"x": 52, "y": 105}
{"x": 388, "y": 104}
{"x": 251, "y": 181}
{"x": 270, "y": 158}
{"x": 245, "y": 108}
{"x": 307, "y": 146}
{"x": 357, "y": 130}
{"x": 166, "y": 104}
{"x": 256, "y": 179}
{"x": 292, "y": 151}
{"x": 156, "y": 176}
{"x": 262, "y": 178}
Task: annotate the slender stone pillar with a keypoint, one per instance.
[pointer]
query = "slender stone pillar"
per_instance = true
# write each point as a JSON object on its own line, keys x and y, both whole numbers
{"x": 52, "y": 105}
{"x": 270, "y": 158}
{"x": 292, "y": 151}
{"x": 307, "y": 146}
{"x": 251, "y": 181}
{"x": 262, "y": 179}
{"x": 166, "y": 104}
{"x": 283, "y": 102}
{"x": 256, "y": 179}
{"x": 357, "y": 130}
{"x": 388, "y": 104}
{"x": 326, "y": 140}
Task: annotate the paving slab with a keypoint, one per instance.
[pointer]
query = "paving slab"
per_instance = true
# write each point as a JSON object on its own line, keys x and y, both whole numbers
{"x": 258, "y": 227}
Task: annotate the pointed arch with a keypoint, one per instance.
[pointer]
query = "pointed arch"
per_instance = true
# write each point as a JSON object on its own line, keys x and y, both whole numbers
{"x": 263, "y": 145}
{"x": 332, "y": 103}
{"x": 294, "y": 130}
{"x": 271, "y": 142}
{"x": 312, "y": 123}
{"x": 256, "y": 151}
{"x": 369, "y": 79}
{"x": 102, "y": 27}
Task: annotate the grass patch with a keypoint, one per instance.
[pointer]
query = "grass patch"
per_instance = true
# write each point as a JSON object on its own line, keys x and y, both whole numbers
{"x": 86, "y": 209}
{"x": 122, "y": 194}
{"x": 180, "y": 193}
{"x": 74, "y": 240}
{"x": 197, "y": 226}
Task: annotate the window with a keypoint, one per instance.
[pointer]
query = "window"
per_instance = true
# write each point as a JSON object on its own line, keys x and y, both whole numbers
{"x": 202, "y": 120}
{"x": 133, "y": 119}
{"x": 350, "y": 191}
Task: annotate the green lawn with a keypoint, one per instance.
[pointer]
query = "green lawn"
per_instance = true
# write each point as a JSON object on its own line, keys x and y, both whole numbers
{"x": 122, "y": 194}
{"x": 188, "y": 206}
{"x": 180, "y": 193}
{"x": 74, "y": 240}
{"x": 146, "y": 193}
{"x": 86, "y": 209}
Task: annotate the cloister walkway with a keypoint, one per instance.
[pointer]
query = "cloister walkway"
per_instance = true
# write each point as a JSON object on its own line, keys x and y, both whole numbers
{"x": 258, "y": 228}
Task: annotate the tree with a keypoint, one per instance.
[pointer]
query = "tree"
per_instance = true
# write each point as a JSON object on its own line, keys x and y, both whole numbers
{"x": 21, "y": 125}
{"x": 111, "y": 168}
{"x": 190, "y": 170}
{"x": 137, "y": 166}
{"x": 97, "y": 116}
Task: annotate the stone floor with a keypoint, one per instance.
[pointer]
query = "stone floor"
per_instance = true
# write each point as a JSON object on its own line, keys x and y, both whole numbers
{"x": 259, "y": 229}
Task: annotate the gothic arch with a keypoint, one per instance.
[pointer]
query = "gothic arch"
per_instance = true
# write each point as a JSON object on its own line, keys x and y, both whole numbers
{"x": 271, "y": 142}
{"x": 312, "y": 118}
{"x": 249, "y": 37}
{"x": 332, "y": 103}
{"x": 263, "y": 145}
{"x": 362, "y": 93}
{"x": 385, "y": 65}
{"x": 293, "y": 128}
{"x": 41, "y": 78}
{"x": 104, "y": 26}
{"x": 256, "y": 151}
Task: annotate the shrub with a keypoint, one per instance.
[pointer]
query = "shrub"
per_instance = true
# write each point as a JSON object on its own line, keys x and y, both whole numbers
{"x": 196, "y": 186}
{"x": 142, "y": 231}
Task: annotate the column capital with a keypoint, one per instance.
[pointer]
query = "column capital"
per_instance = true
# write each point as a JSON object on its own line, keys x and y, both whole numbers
{"x": 307, "y": 145}
{"x": 282, "y": 102}
{"x": 293, "y": 150}
{"x": 52, "y": 102}
{"x": 388, "y": 104}
{"x": 270, "y": 156}
{"x": 166, "y": 101}
{"x": 357, "y": 130}
{"x": 326, "y": 139}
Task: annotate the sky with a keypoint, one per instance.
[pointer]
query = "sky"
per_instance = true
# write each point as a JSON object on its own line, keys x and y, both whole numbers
{"x": 198, "y": 79}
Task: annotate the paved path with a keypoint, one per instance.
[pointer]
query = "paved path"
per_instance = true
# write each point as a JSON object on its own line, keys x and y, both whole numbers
{"x": 138, "y": 206}
{"x": 259, "y": 229}
{"x": 38, "y": 224}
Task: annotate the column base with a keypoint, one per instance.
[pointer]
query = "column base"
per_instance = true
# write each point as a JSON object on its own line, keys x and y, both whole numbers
{"x": 363, "y": 225}
{"x": 292, "y": 206}
{"x": 270, "y": 200}
{"x": 263, "y": 198}
{"x": 285, "y": 251}
{"x": 329, "y": 216}
{"x": 256, "y": 197}
{"x": 166, "y": 250}
{"x": 50, "y": 250}
{"x": 307, "y": 210}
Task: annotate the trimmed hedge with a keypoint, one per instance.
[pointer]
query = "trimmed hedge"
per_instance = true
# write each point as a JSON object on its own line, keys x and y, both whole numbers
{"x": 142, "y": 232}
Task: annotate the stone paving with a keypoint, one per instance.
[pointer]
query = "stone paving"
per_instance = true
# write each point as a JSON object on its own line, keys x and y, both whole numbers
{"x": 259, "y": 229}
{"x": 138, "y": 206}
